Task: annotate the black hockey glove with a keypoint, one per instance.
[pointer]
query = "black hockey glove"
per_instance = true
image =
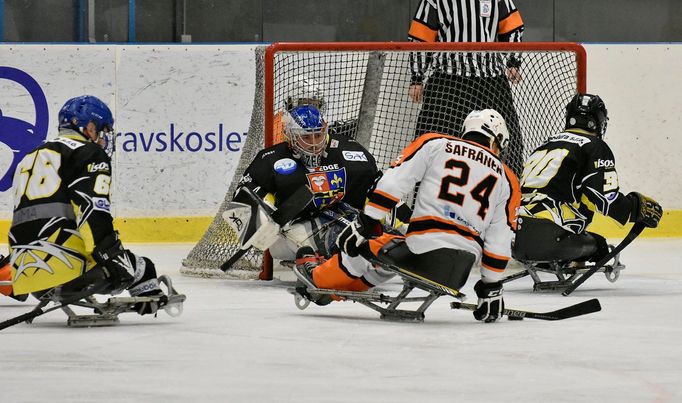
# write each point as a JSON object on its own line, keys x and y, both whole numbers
{"x": 490, "y": 301}
{"x": 645, "y": 210}
{"x": 356, "y": 233}
{"x": 150, "y": 307}
{"x": 118, "y": 262}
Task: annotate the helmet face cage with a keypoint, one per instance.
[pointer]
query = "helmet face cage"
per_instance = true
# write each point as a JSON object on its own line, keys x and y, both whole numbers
{"x": 587, "y": 112}
{"x": 489, "y": 123}
{"x": 78, "y": 112}
{"x": 306, "y": 133}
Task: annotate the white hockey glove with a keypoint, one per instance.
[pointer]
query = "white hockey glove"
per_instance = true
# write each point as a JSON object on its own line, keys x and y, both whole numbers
{"x": 490, "y": 301}
{"x": 358, "y": 232}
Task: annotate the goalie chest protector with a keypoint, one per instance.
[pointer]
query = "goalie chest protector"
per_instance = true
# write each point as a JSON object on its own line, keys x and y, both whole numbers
{"x": 345, "y": 173}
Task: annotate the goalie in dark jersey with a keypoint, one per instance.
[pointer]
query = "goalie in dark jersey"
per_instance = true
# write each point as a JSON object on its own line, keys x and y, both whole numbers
{"x": 335, "y": 167}
{"x": 565, "y": 182}
{"x": 62, "y": 237}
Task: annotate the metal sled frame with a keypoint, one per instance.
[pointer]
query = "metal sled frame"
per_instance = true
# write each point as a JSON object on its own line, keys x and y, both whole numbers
{"x": 566, "y": 275}
{"x": 374, "y": 299}
{"x": 106, "y": 313}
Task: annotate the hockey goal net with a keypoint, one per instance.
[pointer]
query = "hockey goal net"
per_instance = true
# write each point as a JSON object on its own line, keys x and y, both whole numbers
{"x": 365, "y": 87}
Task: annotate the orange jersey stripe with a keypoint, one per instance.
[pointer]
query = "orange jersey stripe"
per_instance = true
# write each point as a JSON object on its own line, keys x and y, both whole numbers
{"x": 447, "y": 222}
{"x": 512, "y": 22}
{"x": 386, "y": 195}
{"x": 514, "y": 199}
{"x": 485, "y": 252}
{"x": 376, "y": 206}
{"x": 495, "y": 269}
{"x": 422, "y": 32}
{"x": 410, "y": 150}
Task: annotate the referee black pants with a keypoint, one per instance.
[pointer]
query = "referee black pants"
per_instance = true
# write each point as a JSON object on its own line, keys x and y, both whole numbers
{"x": 449, "y": 98}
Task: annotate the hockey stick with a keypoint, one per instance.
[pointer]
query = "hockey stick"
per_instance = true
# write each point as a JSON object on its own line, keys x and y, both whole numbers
{"x": 634, "y": 233}
{"x": 579, "y": 309}
{"x": 28, "y": 316}
{"x": 285, "y": 213}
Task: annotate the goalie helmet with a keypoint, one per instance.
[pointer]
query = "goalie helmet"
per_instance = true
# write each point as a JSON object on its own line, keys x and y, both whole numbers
{"x": 489, "y": 123}
{"x": 306, "y": 133}
{"x": 305, "y": 91}
{"x": 78, "y": 112}
{"x": 587, "y": 112}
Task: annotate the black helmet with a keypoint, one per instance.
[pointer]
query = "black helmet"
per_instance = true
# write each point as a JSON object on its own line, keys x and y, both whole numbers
{"x": 587, "y": 112}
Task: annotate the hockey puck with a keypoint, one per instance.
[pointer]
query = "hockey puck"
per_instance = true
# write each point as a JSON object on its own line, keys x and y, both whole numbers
{"x": 515, "y": 317}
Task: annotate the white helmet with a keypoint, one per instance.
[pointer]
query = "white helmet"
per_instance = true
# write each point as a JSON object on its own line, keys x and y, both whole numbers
{"x": 489, "y": 123}
{"x": 305, "y": 91}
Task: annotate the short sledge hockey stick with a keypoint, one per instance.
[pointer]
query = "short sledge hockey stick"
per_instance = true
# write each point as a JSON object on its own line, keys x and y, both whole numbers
{"x": 284, "y": 214}
{"x": 634, "y": 233}
{"x": 40, "y": 310}
{"x": 579, "y": 309}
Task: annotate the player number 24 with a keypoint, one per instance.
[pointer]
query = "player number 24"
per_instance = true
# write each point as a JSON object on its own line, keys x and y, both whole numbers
{"x": 481, "y": 192}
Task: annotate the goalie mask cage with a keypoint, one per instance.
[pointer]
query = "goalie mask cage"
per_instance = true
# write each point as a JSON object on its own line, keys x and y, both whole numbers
{"x": 365, "y": 88}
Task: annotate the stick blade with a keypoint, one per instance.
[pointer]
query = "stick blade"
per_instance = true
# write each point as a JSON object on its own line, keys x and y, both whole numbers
{"x": 583, "y": 308}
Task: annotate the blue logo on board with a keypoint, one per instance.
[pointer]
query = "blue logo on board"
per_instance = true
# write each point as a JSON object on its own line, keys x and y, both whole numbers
{"x": 17, "y": 137}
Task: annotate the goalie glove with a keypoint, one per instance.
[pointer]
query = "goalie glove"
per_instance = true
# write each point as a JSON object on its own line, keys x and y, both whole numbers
{"x": 490, "y": 301}
{"x": 645, "y": 210}
{"x": 357, "y": 232}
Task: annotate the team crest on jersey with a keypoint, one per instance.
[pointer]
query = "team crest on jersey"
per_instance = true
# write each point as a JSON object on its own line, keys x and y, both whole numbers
{"x": 328, "y": 187}
{"x": 334, "y": 144}
{"x": 285, "y": 166}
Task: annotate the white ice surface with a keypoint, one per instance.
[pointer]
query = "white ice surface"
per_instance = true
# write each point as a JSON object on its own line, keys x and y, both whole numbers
{"x": 241, "y": 341}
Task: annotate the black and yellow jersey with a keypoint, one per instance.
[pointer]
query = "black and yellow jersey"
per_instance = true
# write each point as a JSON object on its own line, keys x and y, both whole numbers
{"x": 569, "y": 178}
{"x": 64, "y": 183}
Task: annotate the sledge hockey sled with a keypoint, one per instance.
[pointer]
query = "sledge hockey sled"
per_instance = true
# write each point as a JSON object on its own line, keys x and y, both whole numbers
{"x": 376, "y": 300}
{"x": 565, "y": 272}
{"x": 106, "y": 313}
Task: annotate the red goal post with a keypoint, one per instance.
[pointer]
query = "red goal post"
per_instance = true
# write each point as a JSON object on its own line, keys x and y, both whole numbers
{"x": 365, "y": 86}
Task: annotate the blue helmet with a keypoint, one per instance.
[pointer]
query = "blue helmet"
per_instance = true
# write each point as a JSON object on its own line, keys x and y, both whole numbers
{"x": 78, "y": 112}
{"x": 306, "y": 133}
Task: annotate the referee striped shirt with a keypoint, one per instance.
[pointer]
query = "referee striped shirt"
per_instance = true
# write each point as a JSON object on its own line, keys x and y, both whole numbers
{"x": 464, "y": 21}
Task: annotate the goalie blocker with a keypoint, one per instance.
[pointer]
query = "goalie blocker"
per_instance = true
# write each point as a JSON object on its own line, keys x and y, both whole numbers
{"x": 259, "y": 224}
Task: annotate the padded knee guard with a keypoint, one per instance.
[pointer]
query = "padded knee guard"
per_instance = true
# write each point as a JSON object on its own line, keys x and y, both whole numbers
{"x": 449, "y": 267}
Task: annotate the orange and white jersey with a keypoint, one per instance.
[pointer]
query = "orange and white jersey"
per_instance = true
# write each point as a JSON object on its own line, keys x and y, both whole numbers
{"x": 467, "y": 199}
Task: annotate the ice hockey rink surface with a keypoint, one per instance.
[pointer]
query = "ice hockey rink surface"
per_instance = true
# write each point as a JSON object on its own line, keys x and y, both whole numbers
{"x": 245, "y": 341}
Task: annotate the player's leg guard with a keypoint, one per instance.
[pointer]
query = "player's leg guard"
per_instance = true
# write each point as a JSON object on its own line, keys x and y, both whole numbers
{"x": 342, "y": 272}
{"x": 93, "y": 281}
{"x": 146, "y": 284}
{"x": 541, "y": 240}
{"x": 445, "y": 266}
